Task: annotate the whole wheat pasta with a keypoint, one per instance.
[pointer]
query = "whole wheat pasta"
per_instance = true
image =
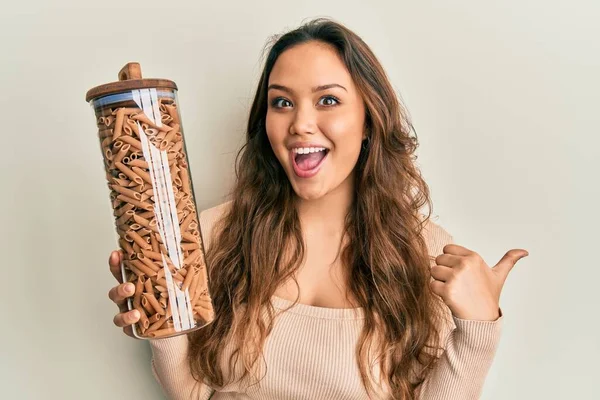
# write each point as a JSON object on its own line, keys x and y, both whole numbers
{"x": 151, "y": 131}
{"x": 145, "y": 232}
{"x": 153, "y": 302}
{"x": 188, "y": 279}
{"x": 129, "y": 173}
{"x": 126, "y": 207}
{"x": 155, "y": 316}
{"x": 138, "y": 163}
{"x": 153, "y": 327}
{"x": 155, "y": 255}
{"x": 105, "y": 142}
{"x": 146, "y": 214}
{"x": 161, "y": 333}
{"x": 154, "y": 243}
{"x": 190, "y": 246}
{"x": 161, "y": 288}
{"x": 121, "y": 153}
{"x": 138, "y": 239}
{"x": 189, "y": 237}
{"x": 117, "y": 181}
{"x": 126, "y": 111}
{"x": 124, "y": 218}
{"x": 185, "y": 180}
{"x": 133, "y": 198}
{"x": 184, "y": 225}
{"x": 192, "y": 257}
{"x": 142, "y": 221}
{"x": 133, "y": 127}
{"x": 162, "y": 301}
{"x": 127, "y": 192}
{"x": 143, "y": 174}
{"x": 177, "y": 147}
{"x": 143, "y": 118}
{"x": 143, "y": 267}
{"x": 132, "y": 141}
{"x": 172, "y": 112}
{"x": 104, "y": 132}
{"x": 143, "y": 319}
{"x": 161, "y": 281}
{"x": 205, "y": 314}
{"x": 148, "y": 288}
{"x": 148, "y": 262}
{"x": 137, "y": 203}
{"x": 126, "y": 247}
{"x": 118, "y": 123}
{"x": 144, "y": 196}
{"x": 194, "y": 288}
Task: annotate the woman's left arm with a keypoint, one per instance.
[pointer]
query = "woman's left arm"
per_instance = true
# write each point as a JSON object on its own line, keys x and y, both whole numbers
{"x": 461, "y": 371}
{"x": 471, "y": 289}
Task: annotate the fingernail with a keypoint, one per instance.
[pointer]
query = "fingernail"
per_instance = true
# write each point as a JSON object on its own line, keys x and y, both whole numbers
{"x": 129, "y": 288}
{"x": 135, "y": 315}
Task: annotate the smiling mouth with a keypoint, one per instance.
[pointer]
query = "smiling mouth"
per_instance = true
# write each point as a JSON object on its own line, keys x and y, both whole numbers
{"x": 308, "y": 165}
{"x": 309, "y": 161}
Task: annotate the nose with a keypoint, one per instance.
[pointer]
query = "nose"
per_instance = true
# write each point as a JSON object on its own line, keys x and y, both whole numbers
{"x": 304, "y": 121}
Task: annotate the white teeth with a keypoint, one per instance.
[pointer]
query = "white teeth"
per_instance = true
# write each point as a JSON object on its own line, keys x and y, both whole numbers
{"x": 306, "y": 150}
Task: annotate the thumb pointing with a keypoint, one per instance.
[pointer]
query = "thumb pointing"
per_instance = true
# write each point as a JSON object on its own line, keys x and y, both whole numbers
{"x": 508, "y": 261}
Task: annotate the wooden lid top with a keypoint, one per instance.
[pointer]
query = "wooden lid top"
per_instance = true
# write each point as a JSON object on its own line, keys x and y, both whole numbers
{"x": 130, "y": 78}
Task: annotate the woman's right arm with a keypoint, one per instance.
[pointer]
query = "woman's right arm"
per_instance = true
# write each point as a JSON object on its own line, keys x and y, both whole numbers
{"x": 169, "y": 363}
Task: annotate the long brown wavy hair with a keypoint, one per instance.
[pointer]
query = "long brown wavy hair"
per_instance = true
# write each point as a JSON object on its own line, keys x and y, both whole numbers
{"x": 386, "y": 254}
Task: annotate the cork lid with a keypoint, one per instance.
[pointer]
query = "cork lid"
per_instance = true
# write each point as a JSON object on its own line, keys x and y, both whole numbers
{"x": 130, "y": 78}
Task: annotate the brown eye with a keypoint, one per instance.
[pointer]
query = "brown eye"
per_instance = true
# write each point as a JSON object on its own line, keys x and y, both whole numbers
{"x": 330, "y": 101}
{"x": 276, "y": 102}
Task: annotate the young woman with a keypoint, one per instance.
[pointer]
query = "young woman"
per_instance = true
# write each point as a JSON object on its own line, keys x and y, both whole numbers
{"x": 327, "y": 281}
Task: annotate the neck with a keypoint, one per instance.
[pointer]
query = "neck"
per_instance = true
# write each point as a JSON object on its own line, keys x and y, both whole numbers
{"x": 327, "y": 213}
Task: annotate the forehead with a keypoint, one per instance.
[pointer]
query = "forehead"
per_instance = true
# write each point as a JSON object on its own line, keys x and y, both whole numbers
{"x": 310, "y": 64}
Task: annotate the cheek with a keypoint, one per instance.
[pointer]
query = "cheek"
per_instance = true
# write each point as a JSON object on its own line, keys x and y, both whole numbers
{"x": 276, "y": 129}
{"x": 345, "y": 131}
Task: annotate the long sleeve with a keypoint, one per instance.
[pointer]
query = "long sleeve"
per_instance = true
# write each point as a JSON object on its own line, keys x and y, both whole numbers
{"x": 171, "y": 370}
{"x": 470, "y": 345}
{"x": 469, "y": 352}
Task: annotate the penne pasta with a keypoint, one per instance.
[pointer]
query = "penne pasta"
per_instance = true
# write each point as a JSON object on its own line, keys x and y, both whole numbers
{"x": 146, "y": 228}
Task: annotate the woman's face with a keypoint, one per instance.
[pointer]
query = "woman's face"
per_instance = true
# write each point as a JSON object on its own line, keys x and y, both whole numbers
{"x": 313, "y": 103}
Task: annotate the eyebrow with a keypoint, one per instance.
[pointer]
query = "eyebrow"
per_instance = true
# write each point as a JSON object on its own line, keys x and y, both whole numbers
{"x": 315, "y": 89}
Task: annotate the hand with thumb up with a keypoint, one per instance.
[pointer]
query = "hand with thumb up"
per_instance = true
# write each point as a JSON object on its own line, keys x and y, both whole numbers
{"x": 468, "y": 286}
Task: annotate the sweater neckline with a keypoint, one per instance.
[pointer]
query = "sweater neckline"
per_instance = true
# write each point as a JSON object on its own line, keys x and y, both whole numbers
{"x": 318, "y": 312}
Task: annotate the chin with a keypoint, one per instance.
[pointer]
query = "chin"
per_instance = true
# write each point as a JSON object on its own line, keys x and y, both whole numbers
{"x": 308, "y": 194}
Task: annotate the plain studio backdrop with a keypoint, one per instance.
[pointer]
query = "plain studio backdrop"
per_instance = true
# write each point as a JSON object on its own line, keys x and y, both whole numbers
{"x": 504, "y": 97}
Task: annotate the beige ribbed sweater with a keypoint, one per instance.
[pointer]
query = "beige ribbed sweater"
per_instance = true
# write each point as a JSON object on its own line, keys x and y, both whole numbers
{"x": 310, "y": 354}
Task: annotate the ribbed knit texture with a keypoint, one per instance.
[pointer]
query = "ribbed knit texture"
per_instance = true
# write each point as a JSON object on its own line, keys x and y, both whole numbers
{"x": 310, "y": 354}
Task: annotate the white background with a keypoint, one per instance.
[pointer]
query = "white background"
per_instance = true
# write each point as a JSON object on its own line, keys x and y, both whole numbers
{"x": 504, "y": 97}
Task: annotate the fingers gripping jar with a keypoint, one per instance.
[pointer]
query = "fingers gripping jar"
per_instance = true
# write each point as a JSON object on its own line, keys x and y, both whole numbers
{"x": 151, "y": 192}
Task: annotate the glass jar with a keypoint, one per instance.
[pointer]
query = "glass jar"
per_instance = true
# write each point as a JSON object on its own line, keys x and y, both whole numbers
{"x": 152, "y": 195}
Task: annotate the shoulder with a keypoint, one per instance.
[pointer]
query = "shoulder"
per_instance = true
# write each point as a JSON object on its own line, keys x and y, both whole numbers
{"x": 208, "y": 219}
{"x": 436, "y": 237}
